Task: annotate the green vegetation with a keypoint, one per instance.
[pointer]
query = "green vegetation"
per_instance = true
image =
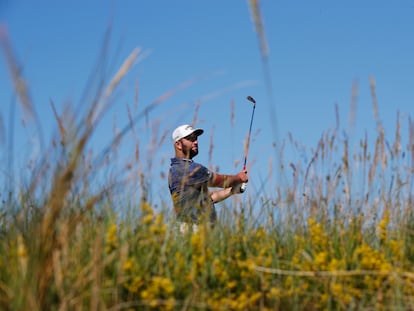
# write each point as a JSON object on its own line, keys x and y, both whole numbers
{"x": 66, "y": 254}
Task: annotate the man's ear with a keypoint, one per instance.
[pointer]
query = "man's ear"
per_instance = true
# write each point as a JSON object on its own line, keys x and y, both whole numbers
{"x": 178, "y": 145}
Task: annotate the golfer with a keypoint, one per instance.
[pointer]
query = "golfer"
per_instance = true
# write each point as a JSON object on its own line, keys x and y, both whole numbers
{"x": 189, "y": 181}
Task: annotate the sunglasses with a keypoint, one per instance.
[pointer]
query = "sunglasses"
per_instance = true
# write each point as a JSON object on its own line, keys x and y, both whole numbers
{"x": 192, "y": 137}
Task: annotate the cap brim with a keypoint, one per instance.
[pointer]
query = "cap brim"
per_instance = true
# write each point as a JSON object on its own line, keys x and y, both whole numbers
{"x": 198, "y": 132}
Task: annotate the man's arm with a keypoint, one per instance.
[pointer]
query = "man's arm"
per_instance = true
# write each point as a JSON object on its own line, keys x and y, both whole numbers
{"x": 220, "y": 195}
{"x": 225, "y": 181}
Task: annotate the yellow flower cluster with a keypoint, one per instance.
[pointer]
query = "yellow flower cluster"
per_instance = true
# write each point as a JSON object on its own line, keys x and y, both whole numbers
{"x": 21, "y": 247}
{"x": 201, "y": 254}
{"x": 112, "y": 242}
{"x": 147, "y": 213}
{"x": 221, "y": 274}
{"x": 225, "y": 274}
{"x": 158, "y": 292}
{"x": 246, "y": 300}
{"x": 319, "y": 238}
{"x": 370, "y": 259}
{"x": 22, "y": 253}
{"x": 239, "y": 287}
{"x": 154, "y": 224}
{"x": 313, "y": 255}
{"x": 135, "y": 280}
{"x": 382, "y": 226}
{"x": 348, "y": 251}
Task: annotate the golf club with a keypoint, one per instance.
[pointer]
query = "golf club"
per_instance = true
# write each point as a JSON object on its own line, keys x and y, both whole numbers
{"x": 250, "y": 99}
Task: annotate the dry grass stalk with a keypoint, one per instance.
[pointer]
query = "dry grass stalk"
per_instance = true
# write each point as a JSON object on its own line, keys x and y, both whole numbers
{"x": 346, "y": 171}
{"x": 397, "y": 141}
{"x": 122, "y": 71}
{"x": 136, "y": 153}
{"x": 104, "y": 103}
{"x": 333, "y": 274}
{"x": 374, "y": 100}
{"x": 374, "y": 164}
{"x": 15, "y": 69}
{"x": 96, "y": 275}
{"x": 131, "y": 121}
{"x": 354, "y": 102}
{"x": 66, "y": 176}
{"x": 103, "y": 156}
{"x": 136, "y": 95}
{"x": 211, "y": 148}
{"x": 195, "y": 116}
{"x": 258, "y": 23}
{"x": 170, "y": 93}
{"x": 116, "y": 138}
{"x": 61, "y": 127}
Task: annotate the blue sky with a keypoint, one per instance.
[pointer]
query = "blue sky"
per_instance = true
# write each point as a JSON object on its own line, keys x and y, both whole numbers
{"x": 317, "y": 51}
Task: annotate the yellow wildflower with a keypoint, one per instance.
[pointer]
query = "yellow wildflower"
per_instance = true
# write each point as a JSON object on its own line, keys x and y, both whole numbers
{"x": 231, "y": 284}
{"x": 111, "y": 239}
{"x": 128, "y": 265}
{"x": 382, "y": 227}
{"x": 135, "y": 285}
{"x": 146, "y": 208}
{"x": 318, "y": 236}
{"x": 22, "y": 254}
{"x": 397, "y": 249}
{"x": 321, "y": 260}
{"x": 147, "y": 219}
{"x": 158, "y": 226}
{"x": 21, "y": 247}
{"x": 274, "y": 292}
{"x": 163, "y": 284}
{"x": 145, "y": 294}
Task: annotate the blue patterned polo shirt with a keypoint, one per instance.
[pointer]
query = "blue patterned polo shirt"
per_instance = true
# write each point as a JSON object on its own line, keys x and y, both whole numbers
{"x": 188, "y": 183}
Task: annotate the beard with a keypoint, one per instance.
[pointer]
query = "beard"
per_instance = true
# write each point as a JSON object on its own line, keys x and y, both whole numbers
{"x": 191, "y": 151}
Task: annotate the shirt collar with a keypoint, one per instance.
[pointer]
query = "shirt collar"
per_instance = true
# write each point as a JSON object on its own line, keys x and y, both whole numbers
{"x": 176, "y": 159}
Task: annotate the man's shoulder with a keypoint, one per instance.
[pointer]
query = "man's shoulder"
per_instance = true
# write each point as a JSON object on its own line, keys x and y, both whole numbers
{"x": 185, "y": 162}
{"x": 187, "y": 165}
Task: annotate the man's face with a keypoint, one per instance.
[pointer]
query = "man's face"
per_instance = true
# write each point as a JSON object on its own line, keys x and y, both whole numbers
{"x": 189, "y": 145}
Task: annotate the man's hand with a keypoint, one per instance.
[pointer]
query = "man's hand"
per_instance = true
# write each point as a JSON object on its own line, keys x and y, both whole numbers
{"x": 225, "y": 181}
{"x": 240, "y": 187}
{"x": 237, "y": 189}
{"x": 241, "y": 177}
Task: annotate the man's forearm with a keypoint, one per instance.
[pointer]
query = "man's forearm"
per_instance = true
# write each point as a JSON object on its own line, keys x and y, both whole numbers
{"x": 223, "y": 181}
{"x": 220, "y": 195}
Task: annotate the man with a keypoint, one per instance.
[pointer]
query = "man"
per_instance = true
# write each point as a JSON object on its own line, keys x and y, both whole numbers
{"x": 189, "y": 181}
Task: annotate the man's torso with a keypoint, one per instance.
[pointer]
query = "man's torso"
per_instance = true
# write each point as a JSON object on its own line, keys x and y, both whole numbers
{"x": 188, "y": 183}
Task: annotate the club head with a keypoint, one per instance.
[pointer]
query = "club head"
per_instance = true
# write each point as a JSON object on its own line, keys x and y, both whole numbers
{"x": 251, "y": 99}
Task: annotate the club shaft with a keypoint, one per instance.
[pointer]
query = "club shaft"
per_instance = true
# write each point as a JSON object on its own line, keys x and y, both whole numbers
{"x": 248, "y": 137}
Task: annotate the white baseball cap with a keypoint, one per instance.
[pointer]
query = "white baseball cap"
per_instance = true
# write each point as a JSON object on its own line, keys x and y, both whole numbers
{"x": 185, "y": 130}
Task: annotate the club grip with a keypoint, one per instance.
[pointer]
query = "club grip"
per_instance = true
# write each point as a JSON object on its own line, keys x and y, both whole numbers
{"x": 243, "y": 187}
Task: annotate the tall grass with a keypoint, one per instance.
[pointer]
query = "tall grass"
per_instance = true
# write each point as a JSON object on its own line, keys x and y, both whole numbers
{"x": 336, "y": 235}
